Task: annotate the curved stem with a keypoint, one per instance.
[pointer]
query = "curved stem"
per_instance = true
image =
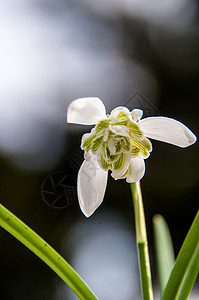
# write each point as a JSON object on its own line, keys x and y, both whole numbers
{"x": 142, "y": 243}
{"x": 45, "y": 252}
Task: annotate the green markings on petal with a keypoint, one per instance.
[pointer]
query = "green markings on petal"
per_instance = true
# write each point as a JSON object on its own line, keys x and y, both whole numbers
{"x": 144, "y": 146}
{"x": 96, "y": 143}
{"x": 135, "y": 151}
{"x": 122, "y": 116}
{"x": 127, "y": 146}
{"x": 118, "y": 147}
{"x": 134, "y": 129}
{"x": 103, "y": 163}
{"x": 87, "y": 143}
{"x": 118, "y": 144}
{"x": 102, "y": 125}
{"x": 110, "y": 157}
{"x": 147, "y": 144}
{"x": 115, "y": 141}
{"x": 119, "y": 164}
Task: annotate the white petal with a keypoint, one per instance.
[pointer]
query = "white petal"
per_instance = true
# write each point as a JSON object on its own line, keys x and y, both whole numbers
{"x": 86, "y": 111}
{"x": 137, "y": 170}
{"x": 137, "y": 114}
{"x": 91, "y": 186}
{"x": 87, "y": 156}
{"x": 117, "y": 110}
{"x": 111, "y": 145}
{"x": 106, "y": 134}
{"x": 167, "y": 130}
{"x": 120, "y": 130}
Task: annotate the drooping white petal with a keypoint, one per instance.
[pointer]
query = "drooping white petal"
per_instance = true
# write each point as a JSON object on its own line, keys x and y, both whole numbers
{"x": 136, "y": 170}
{"x": 167, "y": 130}
{"x": 117, "y": 110}
{"x": 91, "y": 186}
{"x": 86, "y": 111}
{"x": 120, "y": 130}
{"x": 137, "y": 114}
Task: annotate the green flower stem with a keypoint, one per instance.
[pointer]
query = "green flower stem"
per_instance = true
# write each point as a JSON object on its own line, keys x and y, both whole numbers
{"x": 142, "y": 244}
{"x": 45, "y": 252}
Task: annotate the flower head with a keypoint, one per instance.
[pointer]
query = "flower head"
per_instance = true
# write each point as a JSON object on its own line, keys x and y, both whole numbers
{"x": 118, "y": 142}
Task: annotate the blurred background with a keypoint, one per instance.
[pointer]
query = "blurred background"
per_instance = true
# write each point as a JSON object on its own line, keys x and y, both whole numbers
{"x": 139, "y": 54}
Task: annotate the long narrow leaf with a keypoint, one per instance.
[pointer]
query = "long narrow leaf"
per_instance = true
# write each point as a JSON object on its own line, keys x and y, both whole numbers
{"x": 45, "y": 252}
{"x": 164, "y": 250}
{"x": 186, "y": 268}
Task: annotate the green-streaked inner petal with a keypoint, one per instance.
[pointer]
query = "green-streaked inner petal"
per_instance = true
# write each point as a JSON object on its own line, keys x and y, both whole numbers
{"x": 118, "y": 146}
{"x": 101, "y": 125}
{"x": 135, "y": 151}
{"x": 103, "y": 163}
{"x": 120, "y": 167}
{"x": 110, "y": 158}
{"x": 122, "y": 116}
{"x": 119, "y": 164}
{"x": 87, "y": 143}
{"x": 127, "y": 146}
{"x": 144, "y": 146}
{"x": 111, "y": 144}
{"x": 96, "y": 143}
{"x": 134, "y": 129}
{"x": 147, "y": 144}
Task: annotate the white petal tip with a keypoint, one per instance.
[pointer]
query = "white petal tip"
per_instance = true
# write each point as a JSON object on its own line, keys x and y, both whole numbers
{"x": 86, "y": 111}
{"x": 86, "y": 213}
{"x": 168, "y": 130}
{"x": 192, "y": 139}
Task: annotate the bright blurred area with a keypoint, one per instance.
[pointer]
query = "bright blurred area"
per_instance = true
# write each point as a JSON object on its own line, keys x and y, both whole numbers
{"x": 139, "y": 54}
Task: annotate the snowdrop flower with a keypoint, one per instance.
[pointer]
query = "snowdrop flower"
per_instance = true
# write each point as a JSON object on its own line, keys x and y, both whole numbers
{"x": 118, "y": 142}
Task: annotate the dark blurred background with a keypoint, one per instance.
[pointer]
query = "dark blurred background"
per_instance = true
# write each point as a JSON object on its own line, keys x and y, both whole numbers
{"x": 139, "y": 54}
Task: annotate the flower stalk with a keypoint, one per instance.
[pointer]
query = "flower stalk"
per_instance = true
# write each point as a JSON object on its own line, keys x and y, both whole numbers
{"x": 45, "y": 252}
{"x": 142, "y": 243}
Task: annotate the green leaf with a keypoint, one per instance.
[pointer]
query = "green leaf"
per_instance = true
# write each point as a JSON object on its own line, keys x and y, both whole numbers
{"x": 186, "y": 268}
{"x": 164, "y": 250}
{"x": 45, "y": 252}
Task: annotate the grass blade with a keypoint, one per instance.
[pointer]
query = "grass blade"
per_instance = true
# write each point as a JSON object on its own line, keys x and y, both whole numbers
{"x": 45, "y": 252}
{"x": 186, "y": 268}
{"x": 164, "y": 250}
